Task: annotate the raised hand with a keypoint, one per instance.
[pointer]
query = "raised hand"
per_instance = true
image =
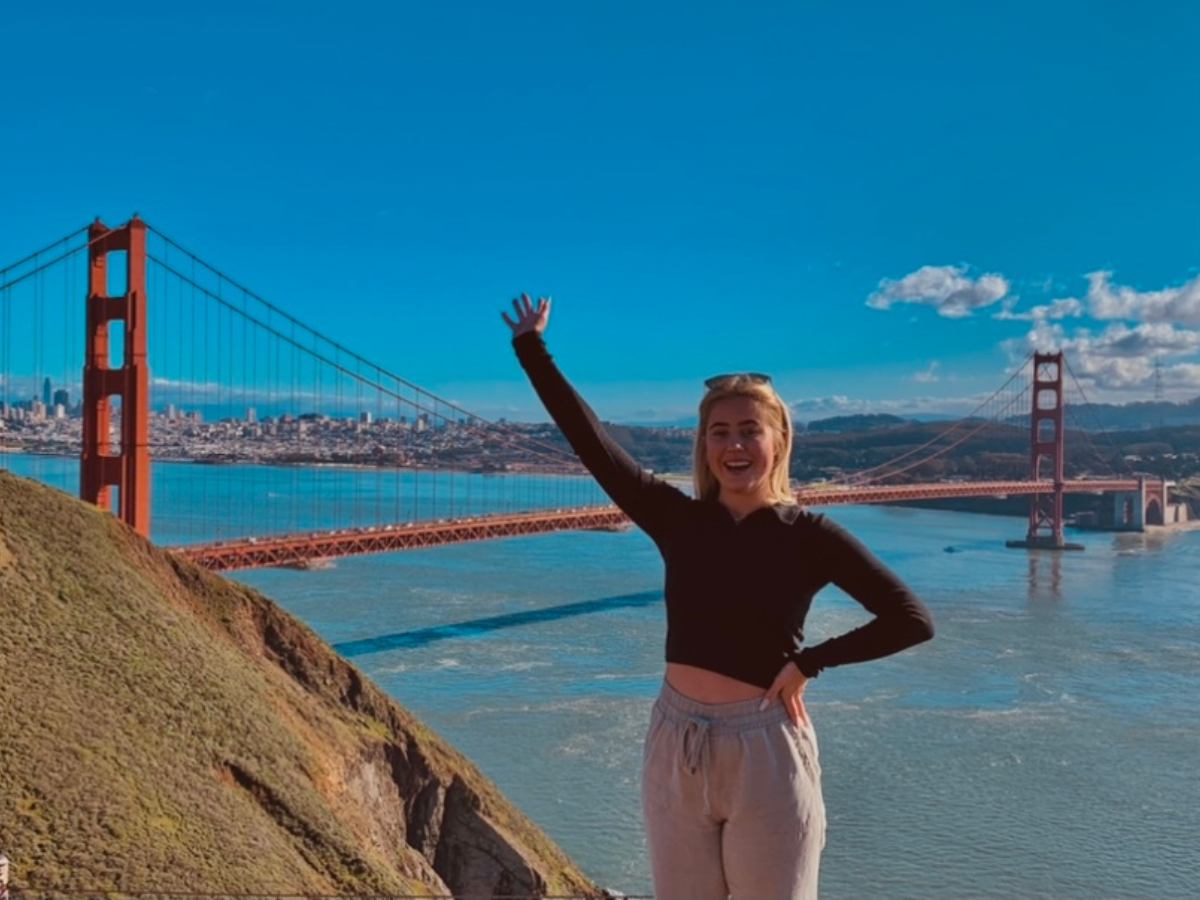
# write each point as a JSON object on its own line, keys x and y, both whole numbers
{"x": 527, "y": 317}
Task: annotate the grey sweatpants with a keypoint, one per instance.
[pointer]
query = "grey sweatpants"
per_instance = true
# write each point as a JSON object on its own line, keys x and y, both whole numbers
{"x": 732, "y": 801}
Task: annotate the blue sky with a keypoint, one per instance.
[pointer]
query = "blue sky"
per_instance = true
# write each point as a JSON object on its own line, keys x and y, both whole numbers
{"x": 884, "y": 204}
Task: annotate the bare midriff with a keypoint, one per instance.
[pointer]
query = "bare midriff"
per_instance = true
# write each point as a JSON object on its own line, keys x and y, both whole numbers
{"x": 706, "y": 686}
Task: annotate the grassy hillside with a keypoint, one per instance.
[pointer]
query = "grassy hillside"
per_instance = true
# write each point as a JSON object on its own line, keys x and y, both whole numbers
{"x": 167, "y": 730}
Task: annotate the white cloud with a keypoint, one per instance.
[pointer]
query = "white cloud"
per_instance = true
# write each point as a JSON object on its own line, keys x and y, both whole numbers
{"x": 1121, "y": 342}
{"x": 1117, "y": 341}
{"x": 1124, "y": 374}
{"x": 1119, "y": 358}
{"x": 810, "y": 408}
{"x": 1043, "y": 337}
{"x": 928, "y": 375}
{"x": 948, "y": 289}
{"x": 1067, "y": 308}
{"x": 838, "y": 403}
{"x": 198, "y": 387}
{"x": 1177, "y": 305}
{"x": 1137, "y": 340}
{"x": 1181, "y": 376}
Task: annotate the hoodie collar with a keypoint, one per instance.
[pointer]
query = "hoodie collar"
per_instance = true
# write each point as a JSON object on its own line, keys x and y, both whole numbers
{"x": 787, "y": 513}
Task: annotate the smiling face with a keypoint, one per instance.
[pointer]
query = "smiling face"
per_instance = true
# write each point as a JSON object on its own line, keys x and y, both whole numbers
{"x": 740, "y": 450}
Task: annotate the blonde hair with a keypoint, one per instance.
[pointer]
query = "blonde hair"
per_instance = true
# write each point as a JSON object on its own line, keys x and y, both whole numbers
{"x": 775, "y": 417}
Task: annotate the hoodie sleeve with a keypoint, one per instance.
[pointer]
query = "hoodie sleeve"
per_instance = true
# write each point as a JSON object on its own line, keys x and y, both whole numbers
{"x": 900, "y": 620}
{"x": 650, "y": 502}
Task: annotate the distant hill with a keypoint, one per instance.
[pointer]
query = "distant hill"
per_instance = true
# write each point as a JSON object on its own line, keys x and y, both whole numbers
{"x": 1138, "y": 416}
{"x": 861, "y": 422}
{"x": 1134, "y": 416}
{"x": 166, "y": 730}
{"x": 969, "y": 449}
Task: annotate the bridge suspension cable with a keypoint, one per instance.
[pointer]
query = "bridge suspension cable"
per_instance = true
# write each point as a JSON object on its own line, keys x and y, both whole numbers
{"x": 1072, "y": 409}
{"x": 328, "y": 415}
{"x": 547, "y": 451}
{"x": 381, "y": 375}
{"x": 262, "y": 426}
{"x": 35, "y": 258}
{"x": 984, "y": 416}
{"x": 259, "y": 424}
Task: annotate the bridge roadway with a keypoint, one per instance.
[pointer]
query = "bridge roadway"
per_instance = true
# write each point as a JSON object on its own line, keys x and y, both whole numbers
{"x": 308, "y": 550}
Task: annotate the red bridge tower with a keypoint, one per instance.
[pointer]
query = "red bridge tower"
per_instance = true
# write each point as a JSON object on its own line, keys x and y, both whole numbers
{"x": 100, "y": 469}
{"x": 1046, "y": 454}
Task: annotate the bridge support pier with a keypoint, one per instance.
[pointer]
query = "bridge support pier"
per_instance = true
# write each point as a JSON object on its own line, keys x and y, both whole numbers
{"x": 1129, "y": 509}
{"x": 128, "y": 470}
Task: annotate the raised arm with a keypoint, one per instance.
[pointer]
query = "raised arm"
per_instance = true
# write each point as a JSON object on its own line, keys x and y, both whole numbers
{"x": 647, "y": 500}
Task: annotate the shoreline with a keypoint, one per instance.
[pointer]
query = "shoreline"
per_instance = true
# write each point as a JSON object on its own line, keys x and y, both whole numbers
{"x": 315, "y": 464}
{"x": 1190, "y": 525}
{"x": 1012, "y": 508}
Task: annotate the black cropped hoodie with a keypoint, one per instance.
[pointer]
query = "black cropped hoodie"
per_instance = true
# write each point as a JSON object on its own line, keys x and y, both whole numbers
{"x": 737, "y": 591}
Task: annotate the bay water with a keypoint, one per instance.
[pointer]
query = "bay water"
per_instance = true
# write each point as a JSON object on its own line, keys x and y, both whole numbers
{"x": 1043, "y": 745}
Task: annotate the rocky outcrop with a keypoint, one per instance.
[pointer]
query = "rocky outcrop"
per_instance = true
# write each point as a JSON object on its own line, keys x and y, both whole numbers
{"x": 167, "y": 730}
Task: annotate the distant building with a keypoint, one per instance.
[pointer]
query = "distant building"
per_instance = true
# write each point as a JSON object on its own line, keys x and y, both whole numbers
{"x": 47, "y": 393}
{"x": 251, "y": 415}
{"x": 364, "y": 418}
{"x": 62, "y": 397}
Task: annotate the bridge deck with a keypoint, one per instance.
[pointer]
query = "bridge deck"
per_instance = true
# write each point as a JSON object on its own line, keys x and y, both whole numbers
{"x": 304, "y": 550}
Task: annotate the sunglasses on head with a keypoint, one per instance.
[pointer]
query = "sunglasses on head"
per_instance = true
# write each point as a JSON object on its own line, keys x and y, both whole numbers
{"x": 752, "y": 377}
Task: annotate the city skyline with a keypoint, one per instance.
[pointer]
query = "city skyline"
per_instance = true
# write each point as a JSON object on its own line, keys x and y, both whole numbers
{"x": 887, "y": 208}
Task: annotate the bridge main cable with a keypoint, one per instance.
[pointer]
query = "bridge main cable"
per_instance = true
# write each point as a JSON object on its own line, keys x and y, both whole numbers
{"x": 556, "y": 454}
{"x": 858, "y": 477}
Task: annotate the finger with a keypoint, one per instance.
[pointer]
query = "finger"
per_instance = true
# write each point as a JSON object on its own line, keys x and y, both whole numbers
{"x": 792, "y": 713}
{"x": 771, "y": 694}
{"x": 507, "y": 321}
{"x": 527, "y": 303}
{"x": 795, "y": 708}
{"x": 803, "y": 708}
{"x": 798, "y": 712}
{"x": 520, "y": 314}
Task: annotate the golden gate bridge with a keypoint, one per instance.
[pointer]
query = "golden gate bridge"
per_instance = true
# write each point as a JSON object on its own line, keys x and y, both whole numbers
{"x": 313, "y": 452}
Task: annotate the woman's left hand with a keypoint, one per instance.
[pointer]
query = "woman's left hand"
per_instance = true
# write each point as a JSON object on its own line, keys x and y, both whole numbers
{"x": 527, "y": 317}
{"x": 789, "y": 687}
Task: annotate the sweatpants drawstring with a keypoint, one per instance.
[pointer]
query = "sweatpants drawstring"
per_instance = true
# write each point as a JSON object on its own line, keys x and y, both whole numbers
{"x": 695, "y": 751}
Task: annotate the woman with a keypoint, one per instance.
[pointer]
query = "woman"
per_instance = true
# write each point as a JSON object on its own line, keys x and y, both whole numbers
{"x": 731, "y": 788}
